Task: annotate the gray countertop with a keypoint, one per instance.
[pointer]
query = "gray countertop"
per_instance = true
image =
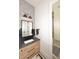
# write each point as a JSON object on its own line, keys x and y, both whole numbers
{"x": 23, "y": 45}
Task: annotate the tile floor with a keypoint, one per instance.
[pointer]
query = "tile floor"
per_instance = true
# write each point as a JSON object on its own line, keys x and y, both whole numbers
{"x": 36, "y": 57}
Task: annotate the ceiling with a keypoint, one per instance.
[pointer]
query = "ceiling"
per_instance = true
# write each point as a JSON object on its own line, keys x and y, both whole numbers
{"x": 33, "y": 2}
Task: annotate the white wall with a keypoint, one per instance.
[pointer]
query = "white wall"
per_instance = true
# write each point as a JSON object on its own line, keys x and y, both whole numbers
{"x": 43, "y": 21}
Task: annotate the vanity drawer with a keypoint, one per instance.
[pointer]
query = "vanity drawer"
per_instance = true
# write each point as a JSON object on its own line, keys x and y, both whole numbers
{"x": 33, "y": 51}
{"x": 33, "y": 48}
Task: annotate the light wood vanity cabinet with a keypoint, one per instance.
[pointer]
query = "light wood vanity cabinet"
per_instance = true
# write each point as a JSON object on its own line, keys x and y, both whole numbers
{"x": 29, "y": 51}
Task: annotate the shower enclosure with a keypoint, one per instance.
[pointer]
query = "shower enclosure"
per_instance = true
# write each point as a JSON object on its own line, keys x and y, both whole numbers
{"x": 56, "y": 30}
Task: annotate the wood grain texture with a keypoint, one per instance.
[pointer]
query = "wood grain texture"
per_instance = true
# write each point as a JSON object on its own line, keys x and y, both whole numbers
{"x": 29, "y": 51}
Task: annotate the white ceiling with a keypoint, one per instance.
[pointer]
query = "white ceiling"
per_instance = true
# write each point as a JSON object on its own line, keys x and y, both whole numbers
{"x": 33, "y": 2}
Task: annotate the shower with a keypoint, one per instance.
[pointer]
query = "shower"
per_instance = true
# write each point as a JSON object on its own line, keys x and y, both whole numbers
{"x": 56, "y": 30}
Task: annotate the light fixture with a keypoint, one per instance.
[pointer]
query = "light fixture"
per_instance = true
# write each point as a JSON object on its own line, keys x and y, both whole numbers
{"x": 30, "y": 17}
{"x": 26, "y": 16}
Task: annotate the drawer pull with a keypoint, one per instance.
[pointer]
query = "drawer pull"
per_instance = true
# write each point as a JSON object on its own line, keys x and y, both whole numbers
{"x": 21, "y": 50}
{"x": 31, "y": 50}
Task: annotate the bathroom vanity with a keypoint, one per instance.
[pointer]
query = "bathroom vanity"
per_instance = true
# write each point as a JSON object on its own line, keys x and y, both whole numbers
{"x": 29, "y": 45}
{"x": 27, "y": 51}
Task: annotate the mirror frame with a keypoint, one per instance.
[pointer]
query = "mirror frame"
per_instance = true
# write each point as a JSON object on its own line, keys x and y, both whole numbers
{"x": 27, "y": 21}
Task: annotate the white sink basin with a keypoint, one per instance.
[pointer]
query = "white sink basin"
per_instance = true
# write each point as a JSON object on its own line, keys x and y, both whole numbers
{"x": 28, "y": 41}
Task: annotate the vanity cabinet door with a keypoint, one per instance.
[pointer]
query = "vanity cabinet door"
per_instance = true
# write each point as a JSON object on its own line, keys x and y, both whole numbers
{"x": 30, "y": 50}
{"x": 22, "y": 53}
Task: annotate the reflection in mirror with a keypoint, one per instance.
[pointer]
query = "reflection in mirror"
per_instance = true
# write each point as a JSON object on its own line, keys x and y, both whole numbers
{"x": 26, "y": 28}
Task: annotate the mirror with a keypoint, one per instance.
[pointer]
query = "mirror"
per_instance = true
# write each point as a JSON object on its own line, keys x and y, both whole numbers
{"x": 26, "y": 28}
